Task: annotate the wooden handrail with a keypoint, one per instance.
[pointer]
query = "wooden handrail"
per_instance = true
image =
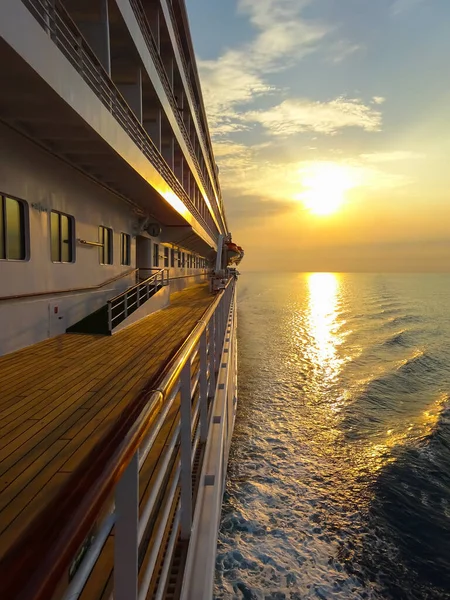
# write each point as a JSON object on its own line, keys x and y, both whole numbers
{"x": 38, "y": 560}
{"x": 69, "y": 290}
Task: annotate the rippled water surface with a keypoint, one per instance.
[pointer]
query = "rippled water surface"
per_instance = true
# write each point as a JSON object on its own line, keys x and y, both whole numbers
{"x": 339, "y": 473}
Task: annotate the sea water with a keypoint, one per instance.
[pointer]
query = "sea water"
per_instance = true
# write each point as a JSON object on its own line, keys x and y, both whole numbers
{"x": 339, "y": 472}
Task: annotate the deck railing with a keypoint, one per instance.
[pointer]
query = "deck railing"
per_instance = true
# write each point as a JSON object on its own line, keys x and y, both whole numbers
{"x": 131, "y": 299}
{"x": 141, "y": 18}
{"x": 191, "y": 89}
{"x": 198, "y": 377}
{"x": 200, "y": 120}
{"x": 54, "y": 19}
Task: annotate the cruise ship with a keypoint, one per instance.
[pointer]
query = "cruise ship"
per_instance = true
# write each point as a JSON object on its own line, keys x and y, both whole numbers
{"x": 118, "y": 352}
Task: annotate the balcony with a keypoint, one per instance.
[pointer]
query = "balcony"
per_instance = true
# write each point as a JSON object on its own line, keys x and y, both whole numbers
{"x": 196, "y": 101}
{"x": 209, "y": 184}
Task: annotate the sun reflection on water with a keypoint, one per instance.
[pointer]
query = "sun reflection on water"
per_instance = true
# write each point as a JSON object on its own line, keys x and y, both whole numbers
{"x": 323, "y": 300}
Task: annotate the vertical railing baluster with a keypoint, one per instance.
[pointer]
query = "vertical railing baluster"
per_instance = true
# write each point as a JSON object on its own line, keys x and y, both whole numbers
{"x": 186, "y": 452}
{"x": 109, "y": 316}
{"x": 203, "y": 398}
{"x": 223, "y": 317}
{"x": 125, "y": 305}
{"x": 213, "y": 347}
{"x": 217, "y": 337}
{"x": 211, "y": 360}
{"x": 126, "y": 539}
{"x": 138, "y": 296}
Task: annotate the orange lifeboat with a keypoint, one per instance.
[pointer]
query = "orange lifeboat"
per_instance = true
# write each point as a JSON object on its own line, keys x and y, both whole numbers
{"x": 234, "y": 253}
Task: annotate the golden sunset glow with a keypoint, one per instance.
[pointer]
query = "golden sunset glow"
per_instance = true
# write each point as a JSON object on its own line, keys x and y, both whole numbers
{"x": 325, "y": 186}
{"x": 323, "y": 297}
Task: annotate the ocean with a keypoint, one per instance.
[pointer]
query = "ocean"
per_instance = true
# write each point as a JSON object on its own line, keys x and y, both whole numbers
{"x": 339, "y": 473}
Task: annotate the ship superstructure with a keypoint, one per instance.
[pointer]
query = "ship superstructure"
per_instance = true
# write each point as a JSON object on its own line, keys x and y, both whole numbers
{"x": 107, "y": 163}
{"x": 117, "y": 349}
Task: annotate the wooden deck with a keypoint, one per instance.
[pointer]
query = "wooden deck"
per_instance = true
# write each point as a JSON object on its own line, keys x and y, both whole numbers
{"x": 59, "y": 397}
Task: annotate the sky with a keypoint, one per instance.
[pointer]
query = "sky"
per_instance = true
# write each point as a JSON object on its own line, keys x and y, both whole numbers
{"x": 330, "y": 122}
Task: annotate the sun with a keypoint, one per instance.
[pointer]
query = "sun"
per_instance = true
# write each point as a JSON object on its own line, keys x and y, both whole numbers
{"x": 325, "y": 185}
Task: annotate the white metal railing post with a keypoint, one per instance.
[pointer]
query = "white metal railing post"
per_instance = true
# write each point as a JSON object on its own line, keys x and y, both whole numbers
{"x": 125, "y": 305}
{"x": 186, "y": 452}
{"x": 109, "y": 316}
{"x": 214, "y": 340}
{"x": 203, "y": 397}
{"x": 224, "y": 315}
{"x": 217, "y": 328}
{"x": 211, "y": 359}
{"x": 138, "y": 296}
{"x": 148, "y": 290}
{"x": 126, "y": 536}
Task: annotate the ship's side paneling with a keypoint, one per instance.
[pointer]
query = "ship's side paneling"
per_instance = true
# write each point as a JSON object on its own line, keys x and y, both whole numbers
{"x": 45, "y": 184}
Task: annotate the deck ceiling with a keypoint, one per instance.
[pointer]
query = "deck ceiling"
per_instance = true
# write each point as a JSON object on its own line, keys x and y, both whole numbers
{"x": 33, "y": 108}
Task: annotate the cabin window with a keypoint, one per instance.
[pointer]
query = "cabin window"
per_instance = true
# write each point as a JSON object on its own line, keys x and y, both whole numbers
{"x": 183, "y": 259}
{"x": 12, "y": 229}
{"x": 179, "y": 258}
{"x": 172, "y": 257}
{"x": 62, "y": 237}
{"x": 125, "y": 249}
{"x": 166, "y": 257}
{"x": 156, "y": 255}
{"x": 105, "y": 238}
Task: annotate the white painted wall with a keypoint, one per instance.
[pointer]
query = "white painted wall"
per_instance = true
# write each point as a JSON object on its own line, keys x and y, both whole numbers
{"x": 31, "y": 174}
{"x": 38, "y": 178}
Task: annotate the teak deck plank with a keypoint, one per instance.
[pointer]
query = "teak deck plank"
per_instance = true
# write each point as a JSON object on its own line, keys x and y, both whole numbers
{"x": 59, "y": 397}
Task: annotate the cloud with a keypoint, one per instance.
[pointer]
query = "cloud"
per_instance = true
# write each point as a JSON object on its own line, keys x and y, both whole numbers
{"x": 282, "y": 31}
{"x": 239, "y": 75}
{"x": 341, "y": 50}
{"x": 260, "y": 179}
{"x": 295, "y": 116}
{"x": 245, "y": 172}
{"x": 227, "y": 82}
{"x": 250, "y": 210}
{"x": 231, "y": 156}
{"x": 400, "y": 6}
{"x": 396, "y": 155}
{"x": 378, "y": 99}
